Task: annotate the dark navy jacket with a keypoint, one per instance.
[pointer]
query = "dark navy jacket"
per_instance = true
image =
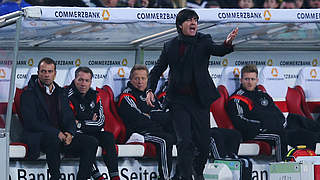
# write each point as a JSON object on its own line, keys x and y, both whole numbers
{"x": 35, "y": 115}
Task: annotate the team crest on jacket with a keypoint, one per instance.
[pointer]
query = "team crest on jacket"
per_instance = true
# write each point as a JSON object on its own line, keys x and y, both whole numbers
{"x": 82, "y": 108}
{"x": 264, "y": 102}
{"x": 92, "y": 104}
{"x": 142, "y": 98}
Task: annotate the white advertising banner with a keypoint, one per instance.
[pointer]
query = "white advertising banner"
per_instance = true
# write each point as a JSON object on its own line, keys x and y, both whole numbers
{"x": 292, "y": 170}
{"x": 129, "y": 169}
{"x": 127, "y": 15}
{"x": 260, "y": 171}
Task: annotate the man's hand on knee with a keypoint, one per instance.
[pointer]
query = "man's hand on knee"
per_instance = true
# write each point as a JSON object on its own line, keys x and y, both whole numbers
{"x": 61, "y": 136}
{"x": 68, "y": 138}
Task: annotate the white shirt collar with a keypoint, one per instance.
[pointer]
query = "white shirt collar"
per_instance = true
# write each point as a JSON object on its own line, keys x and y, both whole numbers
{"x": 48, "y": 89}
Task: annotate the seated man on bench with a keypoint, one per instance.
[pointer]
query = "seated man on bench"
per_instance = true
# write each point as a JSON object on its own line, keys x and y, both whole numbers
{"x": 87, "y": 108}
{"x": 146, "y": 120}
{"x": 49, "y": 124}
{"x": 254, "y": 113}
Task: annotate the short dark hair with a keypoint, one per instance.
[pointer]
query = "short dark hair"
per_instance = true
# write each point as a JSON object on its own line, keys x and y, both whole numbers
{"x": 47, "y": 60}
{"x": 137, "y": 67}
{"x": 83, "y": 69}
{"x": 250, "y": 68}
{"x": 183, "y": 15}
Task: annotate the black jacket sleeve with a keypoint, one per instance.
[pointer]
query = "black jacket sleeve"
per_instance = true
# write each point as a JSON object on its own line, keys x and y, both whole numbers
{"x": 239, "y": 114}
{"x": 271, "y": 117}
{"x": 160, "y": 66}
{"x": 133, "y": 117}
{"x": 217, "y": 50}
{"x": 91, "y": 126}
{"x": 68, "y": 118}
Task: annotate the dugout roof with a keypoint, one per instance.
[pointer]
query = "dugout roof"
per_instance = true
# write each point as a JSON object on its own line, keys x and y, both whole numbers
{"x": 87, "y": 28}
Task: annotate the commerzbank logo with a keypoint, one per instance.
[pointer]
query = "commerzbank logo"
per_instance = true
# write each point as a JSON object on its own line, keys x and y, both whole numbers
{"x": 267, "y": 15}
{"x": 225, "y": 62}
{"x": 236, "y": 72}
{"x": 121, "y": 72}
{"x": 77, "y": 62}
{"x": 124, "y": 62}
{"x": 313, "y": 73}
{"x": 30, "y": 62}
{"x": 105, "y": 15}
{"x": 269, "y": 62}
{"x": 2, "y": 73}
{"x": 274, "y": 72}
{"x": 315, "y": 62}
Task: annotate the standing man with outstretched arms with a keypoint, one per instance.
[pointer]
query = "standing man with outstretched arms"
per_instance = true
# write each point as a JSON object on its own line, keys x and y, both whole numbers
{"x": 191, "y": 90}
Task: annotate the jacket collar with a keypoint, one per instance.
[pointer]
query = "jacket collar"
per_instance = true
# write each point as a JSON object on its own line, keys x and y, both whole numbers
{"x": 33, "y": 82}
{"x": 33, "y": 85}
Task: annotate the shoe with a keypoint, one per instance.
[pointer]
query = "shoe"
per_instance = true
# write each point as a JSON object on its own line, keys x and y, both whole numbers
{"x": 179, "y": 178}
{"x": 160, "y": 178}
{"x": 198, "y": 177}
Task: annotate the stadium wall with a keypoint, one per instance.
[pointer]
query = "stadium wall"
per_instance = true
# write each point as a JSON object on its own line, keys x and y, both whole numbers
{"x": 290, "y": 61}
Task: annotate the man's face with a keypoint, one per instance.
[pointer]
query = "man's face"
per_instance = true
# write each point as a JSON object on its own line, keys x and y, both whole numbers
{"x": 46, "y": 73}
{"x": 288, "y": 5}
{"x": 109, "y": 3}
{"x": 245, "y": 4}
{"x": 249, "y": 81}
{"x": 189, "y": 27}
{"x": 270, "y": 4}
{"x": 299, "y": 3}
{"x": 83, "y": 82}
{"x": 314, "y": 3}
{"x": 139, "y": 79}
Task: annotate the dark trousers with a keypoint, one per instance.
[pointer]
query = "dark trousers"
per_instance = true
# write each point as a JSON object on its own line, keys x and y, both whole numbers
{"x": 110, "y": 158}
{"x": 225, "y": 142}
{"x": 278, "y": 138}
{"x": 191, "y": 124}
{"x": 301, "y": 136}
{"x": 82, "y": 145}
{"x": 302, "y": 131}
{"x": 164, "y": 142}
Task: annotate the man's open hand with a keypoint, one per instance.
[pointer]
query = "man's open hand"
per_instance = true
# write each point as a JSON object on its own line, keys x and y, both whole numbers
{"x": 232, "y": 36}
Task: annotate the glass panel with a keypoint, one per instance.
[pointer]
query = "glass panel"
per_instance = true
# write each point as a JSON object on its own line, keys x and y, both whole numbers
{"x": 84, "y": 34}
{"x": 6, "y": 59}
